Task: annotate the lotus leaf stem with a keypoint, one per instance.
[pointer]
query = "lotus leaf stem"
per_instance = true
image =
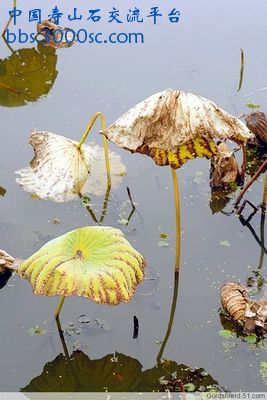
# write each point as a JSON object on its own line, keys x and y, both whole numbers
{"x": 59, "y": 307}
{"x": 177, "y": 219}
{"x": 86, "y": 133}
{"x": 172, "y": 315}
{"x": 250, "y": 182}
{"x": 177, "y": 263}
{"x": 264, "y": 199}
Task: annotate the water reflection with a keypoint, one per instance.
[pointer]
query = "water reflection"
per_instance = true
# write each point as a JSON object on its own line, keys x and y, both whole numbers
{"x": 114, "y": 373}
{"x": 27, "y": 75}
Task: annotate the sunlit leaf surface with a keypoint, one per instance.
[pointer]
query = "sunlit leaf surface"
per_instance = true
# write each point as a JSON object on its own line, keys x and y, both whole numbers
{"x": 173, "y": 126}
{"x": 27, "y": 75}
{"x": 93, "y": 262}
{"x": 60, "y": 171}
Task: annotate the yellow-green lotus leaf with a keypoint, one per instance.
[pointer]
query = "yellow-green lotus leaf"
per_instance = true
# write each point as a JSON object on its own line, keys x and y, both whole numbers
{"x": 93, "y": 262}
{"x": 27, "y": 75}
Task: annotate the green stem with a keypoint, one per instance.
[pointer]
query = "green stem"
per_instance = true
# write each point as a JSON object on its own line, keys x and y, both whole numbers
{"x": 86, "y": 133}
{"x": 59, "y": 306}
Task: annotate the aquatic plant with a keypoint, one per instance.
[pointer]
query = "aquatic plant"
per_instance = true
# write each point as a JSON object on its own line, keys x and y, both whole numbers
{"x": 93, "y": 262}
{"x": 173, "y": 127}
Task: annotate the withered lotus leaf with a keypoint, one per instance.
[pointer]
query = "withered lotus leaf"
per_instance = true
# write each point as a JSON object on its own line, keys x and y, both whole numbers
{"x": 257, "y": 123}
{"x": 58, "y": 166}
{"x": 94, "y": 262}
{"x": 250, "y": 313}
{"x": 224, "y": 167}
{"x": 60, "y": 169}
{"x": 173, "y": 126}
{"x": 6, "y": 261}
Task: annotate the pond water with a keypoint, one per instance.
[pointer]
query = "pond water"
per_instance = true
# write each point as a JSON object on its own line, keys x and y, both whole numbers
{"x": 201, "y": 54}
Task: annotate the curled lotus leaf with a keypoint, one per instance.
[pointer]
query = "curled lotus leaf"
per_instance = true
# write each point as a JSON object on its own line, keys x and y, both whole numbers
{"x": 173, "y": 126}
{"x": 6, "y": 261}
{"x": 224, "y": 168}
{"x": 94, "y": 262}
{"x": 62, "y": 171}
{"x": 27, "y": 75}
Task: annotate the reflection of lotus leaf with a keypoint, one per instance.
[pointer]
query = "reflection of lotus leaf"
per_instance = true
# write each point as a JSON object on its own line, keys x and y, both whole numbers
{"x": 256, "y": 155}
{"x": 93, "y": 262}
{"x": 113, "y": 373}
{"x": 62, "y": 171}
{"x": 219, "y": 200}
{"x": 80, "y": 374}
{"x": 31, "y": 74}
{"x": 170, "y": 370}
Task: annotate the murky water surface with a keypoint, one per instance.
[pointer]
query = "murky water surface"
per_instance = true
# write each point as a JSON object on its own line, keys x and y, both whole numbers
{"x": 201, "y": 55}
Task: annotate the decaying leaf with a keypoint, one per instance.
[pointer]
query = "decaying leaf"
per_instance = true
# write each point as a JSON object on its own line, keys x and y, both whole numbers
{"x": 61, "y": 171}
{"x": 173, "y": 126}
{"x": 58, "y": 168}
{"x": 93, "y": 262}
{"x": 30, "y": 72}
{"x": 6, "y": 261}
{"x": 257, "y": 123}
{"x": 54, "y": 35}
{"x": 224, "y": 168}
{"x": 251, "y": 314}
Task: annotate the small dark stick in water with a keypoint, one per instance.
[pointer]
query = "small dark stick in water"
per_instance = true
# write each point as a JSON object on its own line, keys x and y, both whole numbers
{"x": 136, "y": 327}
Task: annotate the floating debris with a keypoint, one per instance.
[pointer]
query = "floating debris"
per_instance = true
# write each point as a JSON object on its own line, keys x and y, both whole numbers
{"x": 54, "y": 35}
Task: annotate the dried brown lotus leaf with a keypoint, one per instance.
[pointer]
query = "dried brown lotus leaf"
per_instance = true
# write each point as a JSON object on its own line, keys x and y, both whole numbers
{"x": 250, "y": 313}
{"x": 6, "y": 261}
{"x": 173, "y": 126}
{"x": 224, "y": 167}
{"x": 257, "y": 123}
{"x": 233, "y": 299}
